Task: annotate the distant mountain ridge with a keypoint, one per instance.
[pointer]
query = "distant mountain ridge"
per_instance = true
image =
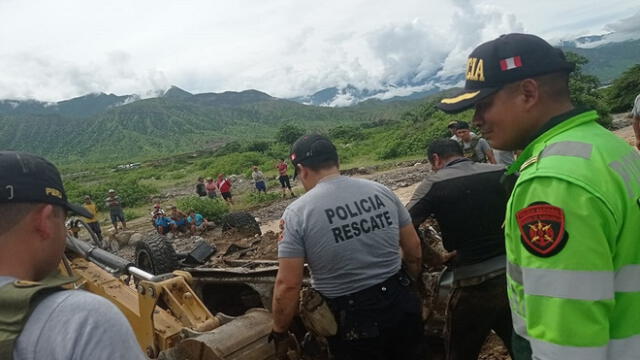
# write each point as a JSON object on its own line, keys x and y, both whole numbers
{"x": 607, "y": 60}
{"x": 176, "y": 121}
{"x": 87, "y": 105}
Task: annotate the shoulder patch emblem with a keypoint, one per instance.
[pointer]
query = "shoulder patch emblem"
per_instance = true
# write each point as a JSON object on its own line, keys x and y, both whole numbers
{"x": 542, "y": 229}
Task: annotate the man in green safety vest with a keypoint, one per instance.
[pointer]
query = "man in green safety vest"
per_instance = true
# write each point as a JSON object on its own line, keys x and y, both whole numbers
{"x": 572, "y": 225}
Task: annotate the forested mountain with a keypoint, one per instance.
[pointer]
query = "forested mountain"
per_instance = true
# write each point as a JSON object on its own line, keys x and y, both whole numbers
{"x": 175, "y": 122}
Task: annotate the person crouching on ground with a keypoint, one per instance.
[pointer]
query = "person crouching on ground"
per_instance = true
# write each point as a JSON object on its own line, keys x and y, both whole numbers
{"x": 197, "y": 222}
{"x": 179, "y": 218}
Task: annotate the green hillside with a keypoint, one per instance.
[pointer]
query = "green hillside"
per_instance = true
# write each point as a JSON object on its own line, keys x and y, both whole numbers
{"x": 154, "y": 127}
{"x": 608, "y": 61}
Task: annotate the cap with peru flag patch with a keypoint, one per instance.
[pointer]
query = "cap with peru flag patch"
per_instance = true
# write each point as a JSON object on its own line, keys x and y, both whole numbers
{"x": 501, "y": 61}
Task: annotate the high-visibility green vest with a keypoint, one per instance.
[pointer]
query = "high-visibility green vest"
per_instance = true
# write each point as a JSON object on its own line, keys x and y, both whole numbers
{"x": 572, "y": 234}
{"x": 17, "y": 300}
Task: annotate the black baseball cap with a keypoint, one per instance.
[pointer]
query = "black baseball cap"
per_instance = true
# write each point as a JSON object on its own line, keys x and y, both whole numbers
{"x": 499, "y": 62}
{"x": 28, "y": 178}
{"x": 312, "y": 149}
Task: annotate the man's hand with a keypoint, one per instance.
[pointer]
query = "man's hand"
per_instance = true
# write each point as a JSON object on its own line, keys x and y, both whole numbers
{"x": 286, "y": 292}
{"x": 281, "y": 342}
{"x": 411, "y": 250}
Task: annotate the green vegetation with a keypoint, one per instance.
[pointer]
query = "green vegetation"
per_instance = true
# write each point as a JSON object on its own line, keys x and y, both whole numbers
{"x": 609, "y": 61}
{"x": 623, "y": 91}
{"x": 131, "y": 193}
{"x": 584, "y": 89}
{"x": 212, "y": 209}
{"x": 259, "y": 198}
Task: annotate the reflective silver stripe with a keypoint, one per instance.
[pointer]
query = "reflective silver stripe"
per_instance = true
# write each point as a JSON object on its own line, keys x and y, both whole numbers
{"x": 618, "y": 349}
{"x": 542, "y": 350}
{"x": 628, "y": 167}
{"x": 625, "y": 349}
{"x": 568, "y": 148}
{"x": 514, "y": 271}
{"x": 519, "y": 325}
{"x": 566, "y": 284}
{"x": 627, "y": 279}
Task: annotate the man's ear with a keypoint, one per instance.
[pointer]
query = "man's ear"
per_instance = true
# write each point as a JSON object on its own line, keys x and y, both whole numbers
{"x": 42, "y": 217}
{"x": 434, "y": 160}
{"x": 530, "y": 93}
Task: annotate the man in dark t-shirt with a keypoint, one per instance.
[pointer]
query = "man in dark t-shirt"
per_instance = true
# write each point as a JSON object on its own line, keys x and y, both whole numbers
{"x": 469, "y": 203}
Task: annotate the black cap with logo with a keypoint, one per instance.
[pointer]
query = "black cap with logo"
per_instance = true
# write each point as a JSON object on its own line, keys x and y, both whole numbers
{"x": 312, "y": 149}
{"x": 499, "y": 62}
{"x": 27, "y": 178}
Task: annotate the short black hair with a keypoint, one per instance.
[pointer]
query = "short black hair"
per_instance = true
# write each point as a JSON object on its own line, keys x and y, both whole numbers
{"x": 323, "y": 165}
{"x": 462, "y": 125}
{"x": 12, "y": 213}
{"x": 444, "y": 148}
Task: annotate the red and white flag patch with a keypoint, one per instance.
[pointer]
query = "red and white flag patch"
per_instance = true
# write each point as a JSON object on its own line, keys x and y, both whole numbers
{"x": 510, "y": 63}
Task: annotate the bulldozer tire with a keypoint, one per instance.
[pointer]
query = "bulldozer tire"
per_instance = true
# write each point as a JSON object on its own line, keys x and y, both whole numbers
{"x": 244, "y": 222}
{"x": 156, "y": 255}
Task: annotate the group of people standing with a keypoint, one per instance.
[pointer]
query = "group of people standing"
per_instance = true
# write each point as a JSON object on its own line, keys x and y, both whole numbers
{"x": 260, "y": 181}
{"x": 211, "y": 187}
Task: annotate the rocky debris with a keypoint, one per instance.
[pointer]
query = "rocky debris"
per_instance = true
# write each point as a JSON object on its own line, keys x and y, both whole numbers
{"x": 121, "y": 237}
{"x": 135, "y": 238}
{"x": 619, "y": 121}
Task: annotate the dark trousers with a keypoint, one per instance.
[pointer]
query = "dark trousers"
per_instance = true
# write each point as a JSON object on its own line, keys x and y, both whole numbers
{"x": 473, "y": 312}
{"x": 379, "y": 323}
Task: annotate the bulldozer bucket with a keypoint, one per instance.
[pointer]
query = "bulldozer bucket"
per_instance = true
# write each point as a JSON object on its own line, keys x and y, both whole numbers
{"x": 243, "y": 338}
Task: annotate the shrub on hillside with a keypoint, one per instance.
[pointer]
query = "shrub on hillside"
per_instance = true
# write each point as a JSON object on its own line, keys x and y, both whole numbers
{"x": 624, "y": 90}
{"x": 131, "y": 193}
{"x": 288, "y": 133}
{"x": 255, "y": 198}
{"x": 346, "y": 132}
{"x": 584, "y": 89}
{"x": 212, "y": 209}
{"x": 259, "y": 146}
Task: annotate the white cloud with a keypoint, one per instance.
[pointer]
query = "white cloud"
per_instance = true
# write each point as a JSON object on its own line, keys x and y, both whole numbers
{"x": 53, "y": 50}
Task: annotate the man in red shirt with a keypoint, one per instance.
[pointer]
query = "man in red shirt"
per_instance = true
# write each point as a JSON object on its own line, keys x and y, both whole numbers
{"x": 284, "y": 178}
{"x": 224, "y": 185}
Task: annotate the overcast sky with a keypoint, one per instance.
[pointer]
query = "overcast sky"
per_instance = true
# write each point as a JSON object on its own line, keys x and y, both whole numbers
{"x": 53, "y": 50}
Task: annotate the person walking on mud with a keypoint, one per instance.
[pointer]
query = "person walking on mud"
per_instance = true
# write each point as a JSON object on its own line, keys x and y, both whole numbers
{"x": 283, "y": 177}
{"x": 116, "y": 213}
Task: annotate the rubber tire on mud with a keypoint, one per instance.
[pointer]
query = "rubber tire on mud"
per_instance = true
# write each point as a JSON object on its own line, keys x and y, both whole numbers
{"x": 244, "y": 222}
{"x": 156, "y": 255}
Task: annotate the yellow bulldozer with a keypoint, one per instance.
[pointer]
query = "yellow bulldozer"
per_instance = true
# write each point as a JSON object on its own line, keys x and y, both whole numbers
{"x": 204, "y": 313}
{"x": 167, "y": 312}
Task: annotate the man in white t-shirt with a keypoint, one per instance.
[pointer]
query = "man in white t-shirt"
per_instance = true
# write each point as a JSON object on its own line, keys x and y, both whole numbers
{"x": 38, "y": 318}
